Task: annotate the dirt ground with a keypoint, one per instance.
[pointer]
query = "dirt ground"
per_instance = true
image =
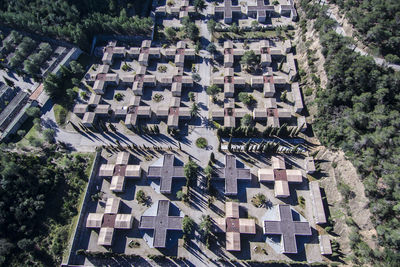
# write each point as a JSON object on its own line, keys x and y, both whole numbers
{"x": 335, "y": 167}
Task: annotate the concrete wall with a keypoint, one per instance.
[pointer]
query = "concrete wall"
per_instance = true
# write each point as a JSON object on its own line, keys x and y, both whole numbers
{"x": 81, "y": 223}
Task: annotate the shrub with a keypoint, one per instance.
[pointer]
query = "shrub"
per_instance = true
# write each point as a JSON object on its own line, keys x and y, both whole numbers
{"x": 201, "y": 142}
{"x": 119, "y": 97}
{"x": 162, "y": 68}
{"x": 158, "y": 97}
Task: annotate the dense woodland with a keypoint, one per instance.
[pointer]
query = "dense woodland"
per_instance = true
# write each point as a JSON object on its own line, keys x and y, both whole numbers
{"x": 378, "y": 22}
{"x": 39, "y": 193}
{"x": 358, "y": 112}
{"x": 76, "y": 21}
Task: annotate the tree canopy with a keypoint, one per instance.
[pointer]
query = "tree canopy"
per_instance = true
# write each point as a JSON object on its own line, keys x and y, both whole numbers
{"x": 73, "y": 20}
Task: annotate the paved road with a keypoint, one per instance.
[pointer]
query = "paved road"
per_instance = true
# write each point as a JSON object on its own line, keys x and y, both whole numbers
{"x": 340, "y": 30}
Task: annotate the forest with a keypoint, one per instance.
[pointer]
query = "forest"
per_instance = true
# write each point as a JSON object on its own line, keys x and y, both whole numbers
{"x": 358, "y": 112}
{"x": 39, "y": 194}
{"x": 77, "y": 21}
{"x": 377, "y": 22}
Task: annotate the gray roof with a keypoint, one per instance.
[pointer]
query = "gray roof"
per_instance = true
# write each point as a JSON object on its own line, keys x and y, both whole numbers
{"x": 161, "y": 223}
{"x": 287, "y": 228}
{"x": 231, "y": 174}
{"x": 261, "y": 8}
{"x": 166, "y": 172}
{"x": 12, "y": 109}
{"x": 228, "y": 9}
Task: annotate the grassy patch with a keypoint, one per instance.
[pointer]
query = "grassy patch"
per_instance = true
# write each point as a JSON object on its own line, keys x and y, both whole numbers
{"x": 74, "y": 219}
{"x": 201, "y": 142}
{"x": 60, "y": 113}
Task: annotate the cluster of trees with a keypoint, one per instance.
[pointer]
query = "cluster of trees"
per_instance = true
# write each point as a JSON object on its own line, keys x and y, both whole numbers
{"x": 359, "y": 113}
{"x": 240, "y": 132}
{"x": 378, "y": 23}
{"x": 22, "y": 52}
{"x": 38, "y": 195}
{"x": 58, "y": 87}
{"x": 34, "y": 62}
{"x": 188, "y": 30}
{"x": 73, "y": 20}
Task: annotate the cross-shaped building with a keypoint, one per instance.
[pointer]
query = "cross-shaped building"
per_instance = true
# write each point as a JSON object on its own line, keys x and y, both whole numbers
{"x": 229, "y": 81}
{"x": 166, "y": 173}
{"x": 287, "y": 228}
{"x": 232, "y": 174}
{"x": 108, "y": 221}
{"x": 173, "y": 113}
{"x": 161, "y": 224}
{"x": 180, "y": 54}
{"x": 177, "y": 81}
{"x": 111, "y": 51}
{"x": 144, "y": 53}
{"x": 233, "y": 226}
{"x": 90, "y": 112}
{"x": 229, "y": 113}
{"x": 280, "y": 175}
{"x": 227, "y": 10}
{"x": 272, "y": 113}
{"x": 261, "y": 10}
{"x": 102, "y": 79}
{"x": 231, "y": 53}
{"x": 119, "y": 171}
{"x": 183, "y": 9}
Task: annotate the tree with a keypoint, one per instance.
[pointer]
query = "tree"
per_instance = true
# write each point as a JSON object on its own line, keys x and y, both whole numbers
{"x": 170, "y": 33}
{"x": 187, "y": 225}
{"x": 246, "y": 121}
{"x": 33, "y": 112}
{"x": 196, "y": 77}
{"x": 48, "y": 135}
{"x": 191, "y": 96}
{"x": 141, "y": 197}
{"x": 192, "y": 31}
{"x": 211, "y": 25}
{"x": 254, "y": 25}
{"x": 250, "y": 59}
{"x": 246, "y": 98}
{"x": 213, "y": 90}
{"x": 194, "y": 110}
{"x": 76, "y": 68}
{"x": 199, "y": 5}
{"x": 211, "y": 48}
{"x": 190, "y": 170}
{"x": 205, "y": 226}
{"x": 208, "y": 171}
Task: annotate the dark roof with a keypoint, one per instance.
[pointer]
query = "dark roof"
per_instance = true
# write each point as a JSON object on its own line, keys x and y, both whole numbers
{"x": 287, "y": 228}
{"x": 231, "y": 174}
{"x": 119, "y": 170}
{"x": 232, "y": 225}
{"x": 166, "y": 172}
{"x": 161, "y": 223}
{"x": 228, "y": 9}
{"x": 109, "y": 220}
{"x": 12, "y": 109}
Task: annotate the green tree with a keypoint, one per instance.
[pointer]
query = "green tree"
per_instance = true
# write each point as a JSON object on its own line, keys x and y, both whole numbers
{"x": 213, "y": 90}
{"x": 211, "y": 25}
{"x": 33, "y": 112}
{"x": 250, "y": 60}
{"x": 199, "y": 5}
{"x": 246, "y": 98}
{"x": 187, "y": 225}
{"x": 246, "y": 121}
{"x": 194, "y": 110}
{"x": 211, "y": 48}
{"x": 170, "y": 33}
